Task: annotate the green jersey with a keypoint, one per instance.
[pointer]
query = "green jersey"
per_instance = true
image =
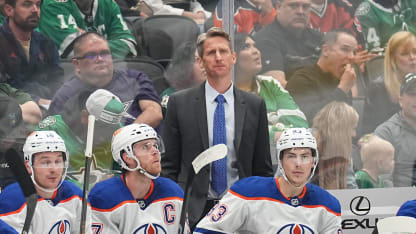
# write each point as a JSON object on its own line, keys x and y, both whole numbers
{"x": 378, "y": 23}
{"x": 364, "y": 180}
{"x": 1, "y": 19}
{"x": 282, "y": 110}
{"x": 62, "y": 21}
{"x": 102, "y": 165}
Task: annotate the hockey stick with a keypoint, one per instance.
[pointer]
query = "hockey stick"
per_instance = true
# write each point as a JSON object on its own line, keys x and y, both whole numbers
{"x": 88, "y": 158}
{"x": 25, "y": 182}
{"x": 210, "y": 155}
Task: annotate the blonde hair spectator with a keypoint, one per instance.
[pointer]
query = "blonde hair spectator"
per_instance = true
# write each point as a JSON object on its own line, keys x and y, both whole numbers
{"x": 334, "y": 127}
{"x": 393, "y": 74}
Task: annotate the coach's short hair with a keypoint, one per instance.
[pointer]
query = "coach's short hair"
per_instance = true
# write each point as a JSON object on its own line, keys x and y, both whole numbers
{"x": 212, "y": 32}
{"x": 80, "y": 39}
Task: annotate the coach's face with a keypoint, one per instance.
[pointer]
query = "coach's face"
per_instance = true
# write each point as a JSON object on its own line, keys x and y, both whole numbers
{"x": 94, "y": 65}
{"x": 217, "y": 59}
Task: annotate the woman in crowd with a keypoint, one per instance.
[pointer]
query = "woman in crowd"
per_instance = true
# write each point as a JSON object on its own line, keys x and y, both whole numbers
{"x": 334, "y": 127}
{"x": 183, "y": 72}
{"x": 282, "y": 111}
{"x": 383, "y": 92}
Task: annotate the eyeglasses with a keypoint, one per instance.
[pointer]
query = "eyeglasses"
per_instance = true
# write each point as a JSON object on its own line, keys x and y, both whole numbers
{"x": 50, "y": 164}
{"x": 92, "y": 56}
{"x": 147, "y": 147}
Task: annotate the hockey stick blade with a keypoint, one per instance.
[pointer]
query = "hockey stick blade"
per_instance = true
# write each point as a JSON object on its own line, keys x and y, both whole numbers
{"x": 25, "y": 182}
{"x": 210, "y": 155}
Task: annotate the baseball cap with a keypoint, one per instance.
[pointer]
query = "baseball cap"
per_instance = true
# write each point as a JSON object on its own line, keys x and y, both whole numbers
{"x": 106, "y": 107}
{"x": 409, "y": 83}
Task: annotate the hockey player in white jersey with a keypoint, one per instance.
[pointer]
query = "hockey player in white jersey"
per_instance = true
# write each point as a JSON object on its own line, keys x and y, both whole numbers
{"x": 287, "y": 204}
{"x": 59, "y": 204}
{"x": 138, "y": 201}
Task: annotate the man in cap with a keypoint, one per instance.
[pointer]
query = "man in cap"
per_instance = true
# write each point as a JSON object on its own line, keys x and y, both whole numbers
{"x": 286, "y": 204}
{"x": 72, "y": 126}
{"x": 400, "y": 131}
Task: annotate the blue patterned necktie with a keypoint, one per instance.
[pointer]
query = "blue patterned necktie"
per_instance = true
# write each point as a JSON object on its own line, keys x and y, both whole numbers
{"x": 219, "y": 167}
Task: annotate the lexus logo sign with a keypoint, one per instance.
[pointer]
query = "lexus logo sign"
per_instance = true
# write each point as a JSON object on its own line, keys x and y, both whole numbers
{"x": 360, "y": 205}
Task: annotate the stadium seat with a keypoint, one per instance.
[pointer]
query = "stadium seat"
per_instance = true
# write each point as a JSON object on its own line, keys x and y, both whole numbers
{"x": 161, "y": 34}
{"x": 374, "y": 68}
{"x": 154, "y": 70}
{"x": 395, "y": 224}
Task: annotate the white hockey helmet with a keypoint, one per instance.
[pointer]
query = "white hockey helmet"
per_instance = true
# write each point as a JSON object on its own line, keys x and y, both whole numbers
{"x": 296, "y": 138}
{"x": 123, "y": 141}
{"x": 45, "y": 141}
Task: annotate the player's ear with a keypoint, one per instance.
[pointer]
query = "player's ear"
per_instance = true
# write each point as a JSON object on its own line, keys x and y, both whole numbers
{"x": 29, "y": 170}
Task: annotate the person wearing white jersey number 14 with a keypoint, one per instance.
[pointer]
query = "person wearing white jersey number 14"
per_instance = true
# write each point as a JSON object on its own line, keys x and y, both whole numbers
{"x": 59, "y": 202}
{"x": 287, "y": 204}
{"x": 138, "y": 201}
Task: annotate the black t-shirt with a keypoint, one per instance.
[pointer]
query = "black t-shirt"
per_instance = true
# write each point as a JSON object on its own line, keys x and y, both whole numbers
{"x": 281, "y": 50}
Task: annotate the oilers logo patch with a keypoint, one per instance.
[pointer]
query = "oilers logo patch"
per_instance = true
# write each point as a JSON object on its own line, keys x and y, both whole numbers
{"x": 295, "y": 229}
{"x": 150, "y": 228}
{"x": 61, "y": 227}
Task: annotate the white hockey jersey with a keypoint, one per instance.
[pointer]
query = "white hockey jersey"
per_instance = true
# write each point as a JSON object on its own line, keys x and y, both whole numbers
{"x": 256, "y": 205}
{"x": 61, "y": 214}
{"x": 114, "y": 209}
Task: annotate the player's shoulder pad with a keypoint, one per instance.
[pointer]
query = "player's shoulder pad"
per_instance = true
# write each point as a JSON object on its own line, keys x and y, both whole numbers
{"x": 318, "y": 196}
{"x": 11, "y": 198}
{"x": 408, "y": 209}
{"x": 165, "y": 187}
{"x": 256, "y": 186}
{"x": 109, "y": 193}
{"x": 67, "y": 190}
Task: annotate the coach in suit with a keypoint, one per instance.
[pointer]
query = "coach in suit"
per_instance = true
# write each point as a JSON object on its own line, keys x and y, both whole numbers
{"x": 190, "y": 127}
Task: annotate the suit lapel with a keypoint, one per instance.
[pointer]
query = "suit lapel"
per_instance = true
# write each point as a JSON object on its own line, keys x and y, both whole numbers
{"x": 239, "y": 117}
{"x": 201, "y": 113}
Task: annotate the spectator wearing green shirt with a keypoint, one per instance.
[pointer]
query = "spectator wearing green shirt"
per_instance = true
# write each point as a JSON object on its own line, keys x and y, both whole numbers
{"x": 377, "y": 156}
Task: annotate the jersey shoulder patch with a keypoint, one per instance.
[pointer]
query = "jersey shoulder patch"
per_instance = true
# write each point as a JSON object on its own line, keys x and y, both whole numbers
{"x": 48, "y": 121}
{"x": 256, "y": 186}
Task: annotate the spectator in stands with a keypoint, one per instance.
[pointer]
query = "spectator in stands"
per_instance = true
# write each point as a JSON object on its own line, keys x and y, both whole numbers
{"x": 383, "y": 92}
{"x": 400, "y": 131}
{"x": 183, "y": 71}
{"x": 72, "y": 125}
{"x": 377, "y": 156}
{"x": 94, "y": 69}
{"x": 158, "y": 7}
{"x": 335, "y": 126}
{"x": 380, "y": 19}
{"x": 29, "y": 60}
{"x": 282, "y": 111}
{"x": 327, "y": 15}
{"x": 63, "y": 21}
{"x": 331, "y": 79}
{"x": 288, "y": 43}
{"x": 249, "y": 15}
{"x": 31, "y": 113}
